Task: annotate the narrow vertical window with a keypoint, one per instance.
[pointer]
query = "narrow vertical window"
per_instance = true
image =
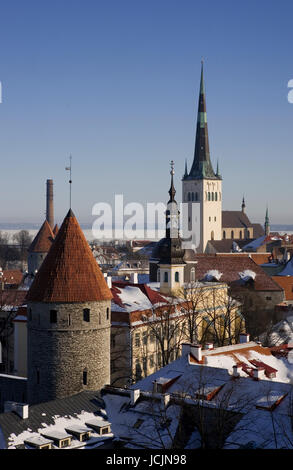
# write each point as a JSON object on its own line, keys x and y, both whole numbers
{"x": 53, "y": 316}
{"x": 177, "y": 276}
{"x": 165, "y": 277}
{"x": 108, "y": 313}
{"x": 84, "y": 377}
{"x": 86, "y": 314}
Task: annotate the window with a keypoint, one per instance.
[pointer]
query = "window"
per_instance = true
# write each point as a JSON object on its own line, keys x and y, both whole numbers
{"x": 224, "y": 235}
{"x": 158, "y": 275}
{"x": 209, "y": 196}
{"x": 268, "y": 298}
{"x": 86, "y": 314}
{"x": 232, "y": 233}
{"x": 212, "y": 196}
{"x": 215, "y": 219}
{"x": 216, "y": 196}
{"x": 192, "y": 196}
{"x": 69, "y": 319}
{"x": 108, "y": 313}
{"x": 137, "y": 370}
{"x": 192, "y": 275}
{"x": 151, "y": 360}
{"x": 99, "y": 318}
{"x": 84, "y": 377}
{"x": 165, "y": 277}
{"x": 137, "y": 339}
{"x": 144, "y": 338}
{"x": 189, "y": 197}
{"x": 144, "y": 364}
{"x": 53, "y": 316}
{"x": 177, "y": 276}
{"x": 196, "y": 196}
{"x": 212, "y": 235}
{"x": 240, "y": 234}
{"x": 210, "y": 219}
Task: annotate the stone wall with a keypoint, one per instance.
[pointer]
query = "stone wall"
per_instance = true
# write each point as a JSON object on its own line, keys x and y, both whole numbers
{"x": 61, "y": 353}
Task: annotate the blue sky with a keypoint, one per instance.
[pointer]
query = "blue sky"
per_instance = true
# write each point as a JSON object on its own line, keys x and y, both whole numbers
{"x": 116, "y": 84}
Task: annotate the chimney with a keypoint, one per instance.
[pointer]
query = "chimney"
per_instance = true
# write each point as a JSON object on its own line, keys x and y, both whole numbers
{"x": 209, "y": 346}
{"x": 50, "y": 204}
{"x": 134, "y": 278}
{"x": 134, "y": 396}
{"x": 21, "y": 409}
{"x": 165, "y": 399}
{"x": 236, "y": 370}
{"x": 109, "y": 281}
{"x": 195, "y": 350}
{"x": 244, "y": 338}
{"x": 258, "y": 373}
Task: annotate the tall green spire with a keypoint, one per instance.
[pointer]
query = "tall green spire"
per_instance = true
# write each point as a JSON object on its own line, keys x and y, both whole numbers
{"x": 267, "y": 223}
{"x": 202, "y": 166}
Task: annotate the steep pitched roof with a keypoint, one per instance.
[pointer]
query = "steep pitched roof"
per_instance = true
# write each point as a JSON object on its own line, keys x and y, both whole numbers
{"x": 235, "y": 219}
{"x": 43, "y": 240}
{"x": 69, "y": 272}
{"x": 230, "y": 266}
{"x": 55, "y": 230}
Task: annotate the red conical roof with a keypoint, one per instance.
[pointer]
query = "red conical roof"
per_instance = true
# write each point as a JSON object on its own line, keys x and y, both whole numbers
{"x": 55, "y": 230}
{"x": 43, "y": 240}
{"x": 69, "y": 272}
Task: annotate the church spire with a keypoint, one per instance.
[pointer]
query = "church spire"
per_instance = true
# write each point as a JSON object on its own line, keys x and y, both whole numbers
{"x": 172, "y": 190}
{"x": 243, "y": 206}
{"x": 267, "y": 222}
{"x": 202, "y": 167}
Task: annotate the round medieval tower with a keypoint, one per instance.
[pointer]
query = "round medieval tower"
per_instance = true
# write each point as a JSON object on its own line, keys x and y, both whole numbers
{"x": 68, "y": 306}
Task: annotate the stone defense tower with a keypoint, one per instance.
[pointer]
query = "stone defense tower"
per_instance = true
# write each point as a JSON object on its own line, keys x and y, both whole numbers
{"x": 50, "y": 204}
{"x": 69, "y": 305}
{"x": 39, "y": 248}
{"x": 202, "y": 187}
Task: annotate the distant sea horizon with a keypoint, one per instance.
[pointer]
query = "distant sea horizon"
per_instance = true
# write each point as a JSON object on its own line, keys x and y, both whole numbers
{"x": 33, "y": 228}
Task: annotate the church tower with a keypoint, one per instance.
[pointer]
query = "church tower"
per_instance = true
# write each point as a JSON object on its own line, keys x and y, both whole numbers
{"x": 267, "y": 223}
{"x": 68, "y": 305}
{"x": 202, "y": 187}
{"x": 171, "y": 264}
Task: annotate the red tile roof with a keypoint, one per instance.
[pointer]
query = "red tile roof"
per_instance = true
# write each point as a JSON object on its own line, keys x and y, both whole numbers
{"x": 12, "y": 298}
{"x": 286, "y": 282}
{"x": 12, "y": 276}
{"x": 43, "y": 240}
{"x": 230, "y": 266}
{"x": 69, "y": 272}
{"x": 55, "y": 230}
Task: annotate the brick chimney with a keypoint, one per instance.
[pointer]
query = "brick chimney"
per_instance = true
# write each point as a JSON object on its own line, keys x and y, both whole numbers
{"x": 50, "y": 204}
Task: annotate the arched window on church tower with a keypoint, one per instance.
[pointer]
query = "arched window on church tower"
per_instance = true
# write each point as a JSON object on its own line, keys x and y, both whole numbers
{"x": 158, "y": 275}
{"x": 209, "y": 196}
{"x": 212, "y": 235}
{"x": 192, "y": 275}
{"x": 216, "y": 196}
{"x": 212, "y": 196}
{"x": 177, "y": 276}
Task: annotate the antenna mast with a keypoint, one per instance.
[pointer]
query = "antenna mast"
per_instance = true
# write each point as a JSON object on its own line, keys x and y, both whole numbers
{"x": 68, "y": 168}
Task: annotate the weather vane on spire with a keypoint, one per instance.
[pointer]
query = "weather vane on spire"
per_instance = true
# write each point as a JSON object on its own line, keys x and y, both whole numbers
{"x": 172, "y": 172}
{"x": 68, "y": 168}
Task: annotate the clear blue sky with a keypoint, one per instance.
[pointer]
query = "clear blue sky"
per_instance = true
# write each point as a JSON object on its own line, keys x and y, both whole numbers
{"x": 116, "y": 84}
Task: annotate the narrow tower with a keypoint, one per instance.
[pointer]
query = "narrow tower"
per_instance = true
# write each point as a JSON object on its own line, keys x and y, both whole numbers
{"x": 202, "y": 187}
{"x": 39, "y": 248}
{"x": 243, "y": 206}
{"x": 170, "y": 253}
{"x": 68, "y": 308}
{"x": 50, "y": 204}
{"x": 267, "y": 223}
